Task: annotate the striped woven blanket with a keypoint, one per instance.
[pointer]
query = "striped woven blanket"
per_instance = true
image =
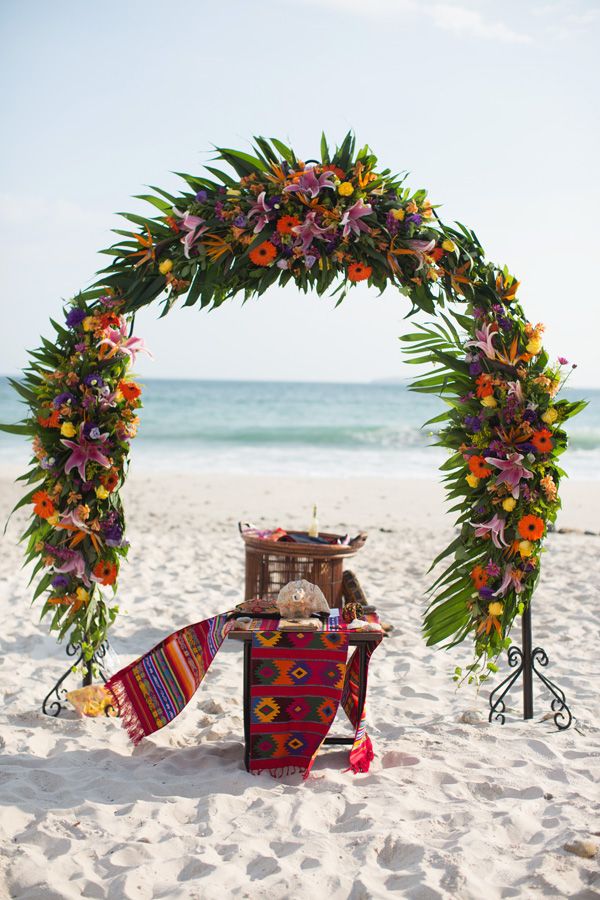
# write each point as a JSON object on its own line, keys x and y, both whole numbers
{"x": 151, "y": 691}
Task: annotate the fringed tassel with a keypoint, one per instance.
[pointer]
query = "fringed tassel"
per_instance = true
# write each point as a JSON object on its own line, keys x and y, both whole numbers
{"x": 280, "y": 772}
{"x": 361, "y": 757}
{"x": 129, "y": 717}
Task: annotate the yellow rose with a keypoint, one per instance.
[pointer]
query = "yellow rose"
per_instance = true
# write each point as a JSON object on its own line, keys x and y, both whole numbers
{"x": 398, "y": 214}
{"x": 88, "y": 323}
{"x": 53, "y": 520}
{"x": 82, "y": 594}
{"x": 165, "y": 266}
{"x": 525, "y": 548}
{"x": 509, "y": 504}
{"x": 496, "y": 608}
{"x": 550, "y": 416}
{"x": 345, "y": 189}
{"x": 489, "y": 402}
{"x": 534, "y": 346}
{"x": 448, "y": 245}
{"x": 101, "y": 492}
{"x": 472, "y": 480}
{"x": 68, "y": 430}
{"x": 233, "y": 192}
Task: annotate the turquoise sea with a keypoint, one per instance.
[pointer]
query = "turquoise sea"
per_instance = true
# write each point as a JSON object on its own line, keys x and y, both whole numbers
{"x": 290, "y": 428}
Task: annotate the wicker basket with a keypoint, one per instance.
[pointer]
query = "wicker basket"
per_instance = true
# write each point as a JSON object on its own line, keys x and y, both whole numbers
{"x": 272, "y": 564}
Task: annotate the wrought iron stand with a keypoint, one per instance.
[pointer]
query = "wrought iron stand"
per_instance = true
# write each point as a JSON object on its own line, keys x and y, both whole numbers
{"x": 525, "y": 661}
{"x": 54, "y": 707}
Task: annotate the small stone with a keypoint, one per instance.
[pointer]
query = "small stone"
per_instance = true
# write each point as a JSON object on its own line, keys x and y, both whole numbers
{"x": 471, "y": 717}
{"x": 548, "y": 796}
{"x": 584, "y": 849}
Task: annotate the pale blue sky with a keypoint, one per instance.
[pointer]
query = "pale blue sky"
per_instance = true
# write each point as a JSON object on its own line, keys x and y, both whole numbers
{"x": 492, "y": 107}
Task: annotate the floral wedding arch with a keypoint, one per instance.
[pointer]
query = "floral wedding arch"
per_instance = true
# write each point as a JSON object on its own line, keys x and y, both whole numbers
{"x": 321, "y": 225}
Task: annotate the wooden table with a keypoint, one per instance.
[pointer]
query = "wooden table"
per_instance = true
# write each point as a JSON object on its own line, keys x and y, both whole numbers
{"x": 358, "y": 639}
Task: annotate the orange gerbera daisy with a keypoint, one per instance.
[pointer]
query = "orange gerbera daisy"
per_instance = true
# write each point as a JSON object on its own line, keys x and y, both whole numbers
{"x": 43, "y": 505}
{"x": 110, "y": 481}
{"x": 479, "y": 576}
{"x": 542, "y": 440}
{"x": 52, "y": 421}
{"x": 531, "y": 528}
{"x": 286, "y": 223}
{"x": 485, "y": 386}
{"x": 359, "y": 272}
{"x": 264, "y": 254}
{"x": 478, "y": 467}
{"x": 105, "y": 572}
{"x": 339, "y": 173}
{"x": 130, "y": 390}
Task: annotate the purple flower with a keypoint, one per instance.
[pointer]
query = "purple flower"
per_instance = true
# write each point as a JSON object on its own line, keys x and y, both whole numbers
{"x": 493, "y": 569}
{"x": 113, "y": 534}
{"x": 562, "y": 361}
{"x": 415, "y": 218}
{"x": 93, "y": 380}
{"x": 62, "y": 399}
{"x": 475, "y": 368}
{"x": 59, "y": 581}
{"x": 512, "y": 472}
{"x": 201, "y": 196}
{"x": 80, "y": 347}
{"x": 240, "y": 221}
{"x": 473, "y": 423}
{"x": 530, "y": 415}
{"x": 352, "y": 223}
{"x": 75, "y": 317}
{"x": 486, "y": 593}
{"x": 309, "y": 261}
{"x": 309, "y": 184}
{"x": 392, "y": 223}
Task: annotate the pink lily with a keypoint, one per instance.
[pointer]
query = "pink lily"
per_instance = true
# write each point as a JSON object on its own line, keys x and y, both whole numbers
{"x": 308, "y": 230}
{"x": 308, "y": 183}
{"x": 420, "y": 248}
{"x": 483, "y": 340}
{"x": 512, "y": 472}
{"x": 261, "y": 210}
{"x": 352, "y": 219}
{"x": 72, "y": 520}
{"x": 194, "y": 226}
{"x": 495, "y": 528}
{"x": 117, "y": 340}
{"x": 512, "y": 578}
{"x": 72, "y": 561}
{"x": 85, "y": 451}
{"x": 515, "y": 388}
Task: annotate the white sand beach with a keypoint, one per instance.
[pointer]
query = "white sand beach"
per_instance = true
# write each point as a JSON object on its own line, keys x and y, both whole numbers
{"x": 453, "y": 807}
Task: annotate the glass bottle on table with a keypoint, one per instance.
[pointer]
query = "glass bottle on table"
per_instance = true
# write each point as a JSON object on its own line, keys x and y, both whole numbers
{"x": 313, "y": 530}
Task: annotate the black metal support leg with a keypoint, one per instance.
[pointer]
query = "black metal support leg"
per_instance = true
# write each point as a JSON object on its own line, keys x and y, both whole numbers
{"x": 53, "y": 703}
{"x": 524, "y": 662}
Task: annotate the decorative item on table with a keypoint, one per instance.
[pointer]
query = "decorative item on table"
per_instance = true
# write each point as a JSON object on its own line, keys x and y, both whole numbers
{"x": 257, "y": 606}
{"x": 92, "y": 701}
{"x": 271, "y": 564}
{"x": 300, "y": 600}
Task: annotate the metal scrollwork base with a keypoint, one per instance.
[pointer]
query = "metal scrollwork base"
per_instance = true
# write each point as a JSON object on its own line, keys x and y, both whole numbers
{"x": 53, "y": 703}
{"x": 525, "y": 661}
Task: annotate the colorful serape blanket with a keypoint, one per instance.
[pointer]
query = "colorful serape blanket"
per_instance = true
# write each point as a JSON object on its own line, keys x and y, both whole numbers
{"x": 296, "y": 682}
{"x": 153, "y": 689}
{"x": 361, "y": 753}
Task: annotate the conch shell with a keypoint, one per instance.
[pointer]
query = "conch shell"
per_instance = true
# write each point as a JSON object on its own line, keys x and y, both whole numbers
{"x": 300, "y": 599}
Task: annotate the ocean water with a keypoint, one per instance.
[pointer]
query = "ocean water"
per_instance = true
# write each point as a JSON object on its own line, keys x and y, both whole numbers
{"x": 289, "y": 428}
